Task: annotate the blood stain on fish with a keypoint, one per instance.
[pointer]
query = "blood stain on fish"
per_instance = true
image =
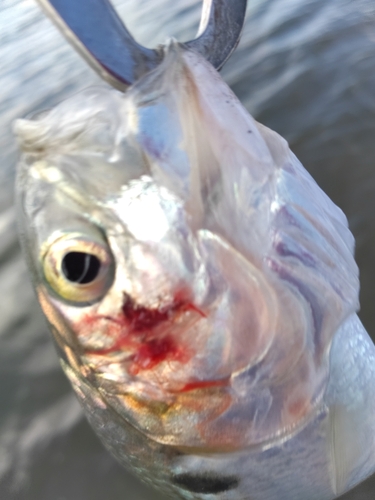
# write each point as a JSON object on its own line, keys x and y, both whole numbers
{"x": 141, "y": 318}
{"x": 204, "y": 384}
{"x": 143, "y": 329}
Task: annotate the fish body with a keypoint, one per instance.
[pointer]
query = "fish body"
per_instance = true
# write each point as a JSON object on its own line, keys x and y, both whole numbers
{"x": 201, "y": 290}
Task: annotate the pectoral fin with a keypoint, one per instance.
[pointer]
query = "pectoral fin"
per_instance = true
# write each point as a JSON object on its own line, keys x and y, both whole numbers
{"x": 348, "y": 447}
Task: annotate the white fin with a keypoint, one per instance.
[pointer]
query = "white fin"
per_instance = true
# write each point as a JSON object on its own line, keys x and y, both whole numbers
{"x": 347, "y": 447}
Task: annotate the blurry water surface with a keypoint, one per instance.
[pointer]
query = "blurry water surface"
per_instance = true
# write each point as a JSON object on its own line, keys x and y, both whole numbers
{"x": 305, "y": 68}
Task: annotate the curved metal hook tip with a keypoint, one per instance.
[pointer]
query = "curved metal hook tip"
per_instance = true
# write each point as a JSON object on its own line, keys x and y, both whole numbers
{"x": 99, "y": 35}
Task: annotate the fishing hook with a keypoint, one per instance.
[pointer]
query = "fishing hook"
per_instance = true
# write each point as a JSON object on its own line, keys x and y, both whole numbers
{"x": 98, "y": 34}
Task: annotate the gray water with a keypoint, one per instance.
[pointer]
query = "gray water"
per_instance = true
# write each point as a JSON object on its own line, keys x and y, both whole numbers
{"x": 305, "y": 68}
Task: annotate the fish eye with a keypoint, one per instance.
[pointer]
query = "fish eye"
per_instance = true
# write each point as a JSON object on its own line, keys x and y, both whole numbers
{"x": 80, "y": 267}
{"x": 77, "y": 267}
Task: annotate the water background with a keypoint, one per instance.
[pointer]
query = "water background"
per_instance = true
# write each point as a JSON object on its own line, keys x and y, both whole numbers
{"x": 305, "y": 68}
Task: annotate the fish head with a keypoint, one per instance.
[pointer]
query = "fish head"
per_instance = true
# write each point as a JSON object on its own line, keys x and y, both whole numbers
{"x": 189, "y": 267}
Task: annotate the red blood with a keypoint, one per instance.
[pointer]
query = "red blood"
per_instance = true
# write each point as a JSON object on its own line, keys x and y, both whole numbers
{"x": 181, "y": 299}
{"x": 141, "y": 318}
{"x": 146, "y": 331}
{"x": 154, "y": 352}
{"x": 204, "y": 384}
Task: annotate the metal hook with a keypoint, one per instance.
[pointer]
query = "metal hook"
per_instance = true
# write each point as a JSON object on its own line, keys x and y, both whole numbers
{"x": 98, "y": 34}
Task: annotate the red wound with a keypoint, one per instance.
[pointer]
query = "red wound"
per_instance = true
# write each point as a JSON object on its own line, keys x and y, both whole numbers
{"x": 147, "y": 331}
{"x": 143, "y": 319}
{"x": 154, "y": 352}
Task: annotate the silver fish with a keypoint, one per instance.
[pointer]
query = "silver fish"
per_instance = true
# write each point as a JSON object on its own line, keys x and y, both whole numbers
{"x": 201, "y": 289}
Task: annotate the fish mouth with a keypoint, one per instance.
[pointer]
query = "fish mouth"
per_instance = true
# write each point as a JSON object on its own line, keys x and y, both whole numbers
{"x": 139, "y": 361}
{"x": 144, "y": 337}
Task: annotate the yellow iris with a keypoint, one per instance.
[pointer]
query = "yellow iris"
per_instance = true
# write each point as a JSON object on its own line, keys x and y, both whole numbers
{"x": 77, "y": 267}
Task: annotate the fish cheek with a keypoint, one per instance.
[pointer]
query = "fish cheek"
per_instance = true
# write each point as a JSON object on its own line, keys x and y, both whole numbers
{"x": 62, "y": 334}
{"x": 65, "y": 340}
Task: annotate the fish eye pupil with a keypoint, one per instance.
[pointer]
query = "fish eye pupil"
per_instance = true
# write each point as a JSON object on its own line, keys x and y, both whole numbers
{"x": 80, "y": 267}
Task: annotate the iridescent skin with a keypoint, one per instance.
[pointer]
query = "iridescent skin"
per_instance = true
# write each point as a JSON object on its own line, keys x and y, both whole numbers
{"x": 219, "y": 355}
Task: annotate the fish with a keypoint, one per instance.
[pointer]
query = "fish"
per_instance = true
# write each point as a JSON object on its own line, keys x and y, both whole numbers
{"x": 201, "y": 290}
